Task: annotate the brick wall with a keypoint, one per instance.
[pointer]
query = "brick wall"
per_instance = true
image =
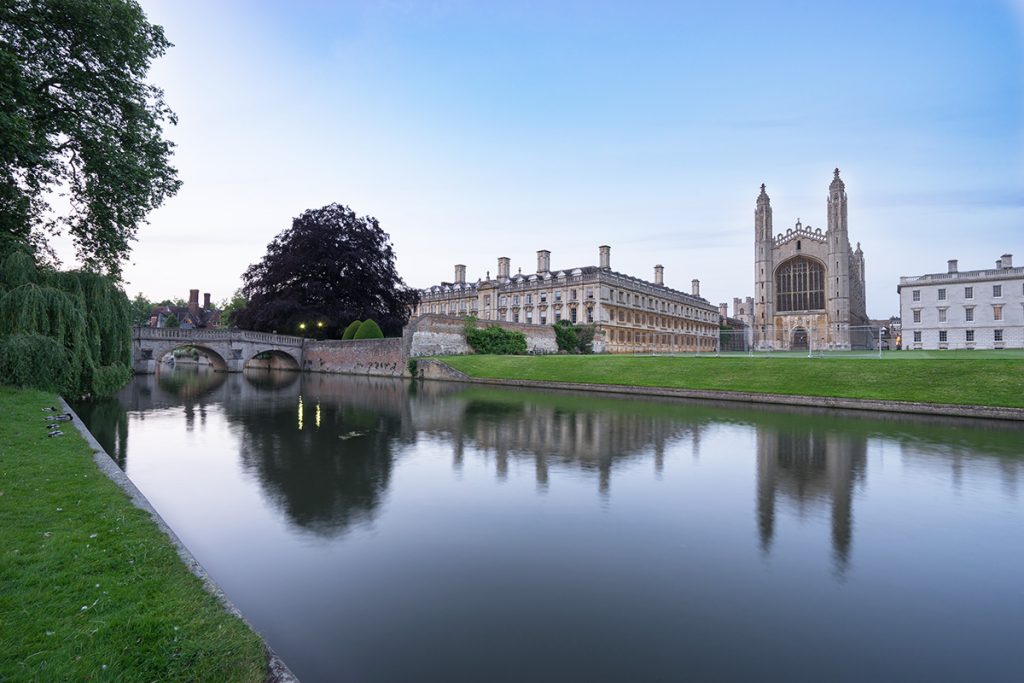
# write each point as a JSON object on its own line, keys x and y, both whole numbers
{"x": 356, "y": 357}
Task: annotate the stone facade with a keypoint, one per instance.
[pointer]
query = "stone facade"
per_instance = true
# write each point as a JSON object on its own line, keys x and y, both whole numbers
{"x": 977, "y": 309}
{"x": 443, "y": 335}
{"x": 630, "y": 314}
{"x": 808, "y": 284}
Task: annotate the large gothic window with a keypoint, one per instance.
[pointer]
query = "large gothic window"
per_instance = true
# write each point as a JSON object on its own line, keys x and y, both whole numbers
{"x": 800, "y": 285}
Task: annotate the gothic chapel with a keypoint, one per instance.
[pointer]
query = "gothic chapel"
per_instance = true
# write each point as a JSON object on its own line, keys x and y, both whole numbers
{"x": 808, "y": 285}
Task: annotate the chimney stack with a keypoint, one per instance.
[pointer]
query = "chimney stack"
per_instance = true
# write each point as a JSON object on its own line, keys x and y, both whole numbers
{"x": 723, "y": 310}
{"x": 606, "y": 257}
{"x": 1007, "y": 260}
{"x": 659, "y": 275}
{"x": 543, "y": 261}
{"x": 952, "y": 265}
{"x": 460, "y": 274}
{"x": 504, "y": 263}
{"x": 206, "y": 301}
{"x": 695, "y": 284}
{"x": 193, "y": 301}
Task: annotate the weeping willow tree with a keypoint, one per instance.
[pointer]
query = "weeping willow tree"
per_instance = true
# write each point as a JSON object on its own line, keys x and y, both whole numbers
{"x": 85, "y": 313}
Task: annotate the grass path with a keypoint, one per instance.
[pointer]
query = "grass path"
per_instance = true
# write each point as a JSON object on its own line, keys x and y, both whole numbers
{"x": 90, "y": 589}
{"x": 996, "y": 380}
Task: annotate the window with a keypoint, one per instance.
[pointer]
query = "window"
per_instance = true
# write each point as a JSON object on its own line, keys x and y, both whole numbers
{"x": 942, "y": 315}
{"x": 515, "y": 316}
{"x": 558, "y": 316}
{"x": 515, "y": 301}
{"x": 572, "y": 315}
{"x": 997, "y": 335}
{"x": 997, "y": 290}
{"x": 543, "y": 319}
{"x": 969, "y": 315}
{"x": 916, "y": 295}
{"x": 590, "y": 294}
{"x": 800, "y": 285}
{"x": 543, "y": 297}
{"x": 970, "y": 336}
{"x": 997, "y": 312}
{"x": 529, "y": 317}
{"x": 942, "y": 336}
{"x": 917, "y": 315}
{"x": 917, "y": 336}
{"x": 942, "y": 294}
{"x": 968, "y": 292}
{"x": 558, "y": 295}
{"x": 529, "y": 298}
{"x": 590, "y": 315}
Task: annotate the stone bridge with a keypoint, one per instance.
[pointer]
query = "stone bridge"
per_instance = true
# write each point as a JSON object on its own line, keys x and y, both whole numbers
{"x": 228, "y": 350}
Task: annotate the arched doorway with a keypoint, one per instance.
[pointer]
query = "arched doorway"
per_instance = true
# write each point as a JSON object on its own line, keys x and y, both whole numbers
{"x": 799, "y": 342}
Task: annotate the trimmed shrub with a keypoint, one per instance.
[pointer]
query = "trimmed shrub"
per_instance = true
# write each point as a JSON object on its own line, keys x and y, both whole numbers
{"x": 574, "y": 338}
{"x": 351, "y": 330}
{"x": 496, "y": 341}
{"x": 34, "y": 361}
{"x": 369, "y": 330}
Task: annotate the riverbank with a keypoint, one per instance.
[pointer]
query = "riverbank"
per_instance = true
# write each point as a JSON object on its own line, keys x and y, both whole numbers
{"x": 92, "y": 588}
{"x": 992, "y": 383}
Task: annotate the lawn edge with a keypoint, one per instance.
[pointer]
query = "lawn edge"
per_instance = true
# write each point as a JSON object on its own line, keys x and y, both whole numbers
{"x": 277, "y": 670}
{"x": 439, "y": 370}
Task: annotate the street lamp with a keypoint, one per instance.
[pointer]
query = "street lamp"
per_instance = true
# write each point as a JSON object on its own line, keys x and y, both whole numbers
{"x": 302, "y": 329}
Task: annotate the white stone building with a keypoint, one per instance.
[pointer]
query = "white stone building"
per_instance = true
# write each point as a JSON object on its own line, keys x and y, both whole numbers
{"x": 630, "y": 315}
{"x": 977, "y": 309}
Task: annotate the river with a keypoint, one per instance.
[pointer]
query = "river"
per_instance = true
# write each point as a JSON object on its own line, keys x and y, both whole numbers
{"x": 382, "y": 530}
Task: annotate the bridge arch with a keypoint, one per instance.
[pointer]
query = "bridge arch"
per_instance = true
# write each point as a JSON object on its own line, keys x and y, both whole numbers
{"x": 217, "y": 360}
{"x": 273, "y": 359}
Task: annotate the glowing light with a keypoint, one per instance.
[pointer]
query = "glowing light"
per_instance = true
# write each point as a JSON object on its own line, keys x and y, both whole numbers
{"x": 300, "y": 413}
{"x": 318, "y": 416}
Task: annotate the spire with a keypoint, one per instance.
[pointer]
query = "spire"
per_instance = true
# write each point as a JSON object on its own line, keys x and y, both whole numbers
{"x": 837, "y": 183}
{"x": 763, "y": 197}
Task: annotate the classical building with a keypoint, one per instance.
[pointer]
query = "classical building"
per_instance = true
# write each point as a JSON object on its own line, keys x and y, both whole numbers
{"x": 630, "y": 315}
{"x": 808, "y": 284}
{"x": 976, "y": 309}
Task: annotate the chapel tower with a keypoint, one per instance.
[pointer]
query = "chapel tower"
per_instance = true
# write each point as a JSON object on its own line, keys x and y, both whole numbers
{"x": 839, "y": 284}
{"x": 764, "y": 309}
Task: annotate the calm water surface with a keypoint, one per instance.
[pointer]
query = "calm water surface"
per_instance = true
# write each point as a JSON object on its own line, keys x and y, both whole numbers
{"x": 377, "y": 530}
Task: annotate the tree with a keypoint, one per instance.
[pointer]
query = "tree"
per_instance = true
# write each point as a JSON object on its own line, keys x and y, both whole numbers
{"x": 172, "y": 321}
{"x": 78, "y": 119}
{"x": 230, "y": 307}
{"x": 141, "y": 309}
{"x": 330, "y": 265}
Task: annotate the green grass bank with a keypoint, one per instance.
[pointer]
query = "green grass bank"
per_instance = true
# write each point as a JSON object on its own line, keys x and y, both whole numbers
{"x": 978, "y": 380}
{"x": 91, "y": 588}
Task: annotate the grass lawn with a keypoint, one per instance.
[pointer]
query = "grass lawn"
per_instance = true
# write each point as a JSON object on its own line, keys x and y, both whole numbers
{"x": 90, "y": 589}
{"x": 970, "y": 378}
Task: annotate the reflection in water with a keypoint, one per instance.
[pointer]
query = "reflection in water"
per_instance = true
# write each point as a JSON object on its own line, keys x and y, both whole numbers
{"x": 810, "y": 467}
{"x": 350, "y": 516}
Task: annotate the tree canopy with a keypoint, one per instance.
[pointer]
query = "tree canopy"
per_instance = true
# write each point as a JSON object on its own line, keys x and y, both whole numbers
{"x": 78, "y": 119}
{"x": 331, "y": 266}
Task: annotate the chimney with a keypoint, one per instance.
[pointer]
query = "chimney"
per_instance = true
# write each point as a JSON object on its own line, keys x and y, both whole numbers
{"x": 723, "y": 310}
{"x": 543, "y": 261}
{"x": 695, "y": 284}
{"x": 503, "y": 267}
{"x": 460, "y": 274}
{"x": 206, "y": 301}
{"x": 952, "y": 265}
{"x": 193, "y": 301}
{"x": 659, "y": 275}
{"x": 999, "y": 263}
{"x": 1007, "y": 260}
{"x": 606, "y": 257}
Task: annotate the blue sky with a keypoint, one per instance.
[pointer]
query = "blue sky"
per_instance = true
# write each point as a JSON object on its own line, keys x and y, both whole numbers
{"x": 475, "y": 130}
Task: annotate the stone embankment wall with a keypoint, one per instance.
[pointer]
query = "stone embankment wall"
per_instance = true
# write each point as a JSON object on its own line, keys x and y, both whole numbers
{"x": 439, "y": 335}
{"x": 356, "y": 357}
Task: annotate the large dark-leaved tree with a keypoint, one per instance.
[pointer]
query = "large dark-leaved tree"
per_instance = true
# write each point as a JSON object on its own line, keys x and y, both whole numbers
{"x": 330, "y": 267}
{"x": 79, "y": 122}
